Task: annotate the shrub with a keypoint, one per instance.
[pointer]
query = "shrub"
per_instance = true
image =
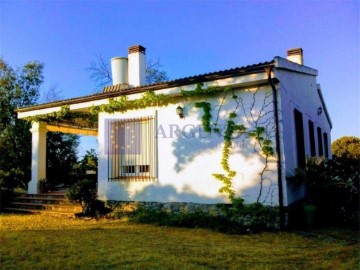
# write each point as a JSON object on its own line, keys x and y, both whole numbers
{"x": 237, "y": 218}
{"x": 84, "y": 192}
{"x": 255, "y": 216}
{"x": 44, "y": 185}
{"x": 333, "y": 186}
{"x": 11, "y": 178}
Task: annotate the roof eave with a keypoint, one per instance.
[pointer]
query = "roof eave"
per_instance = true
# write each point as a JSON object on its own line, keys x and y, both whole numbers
{"x": 242, "y": 71}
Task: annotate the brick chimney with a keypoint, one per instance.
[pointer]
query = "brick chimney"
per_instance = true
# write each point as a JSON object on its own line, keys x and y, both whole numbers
{"x": 295, "y": 55}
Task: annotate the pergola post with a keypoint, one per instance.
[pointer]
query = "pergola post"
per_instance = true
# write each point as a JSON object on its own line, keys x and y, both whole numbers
{"x": 38, "y": 156}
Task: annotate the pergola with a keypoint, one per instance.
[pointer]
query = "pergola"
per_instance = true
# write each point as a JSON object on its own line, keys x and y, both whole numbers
{"x": 48, "y": 117}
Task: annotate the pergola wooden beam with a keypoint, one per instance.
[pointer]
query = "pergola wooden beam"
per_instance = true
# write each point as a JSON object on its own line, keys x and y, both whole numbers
{"x": 72, "y": 130}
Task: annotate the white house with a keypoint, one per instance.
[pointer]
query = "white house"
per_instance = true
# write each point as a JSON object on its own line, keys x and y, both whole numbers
{"x": 154, "y": 142}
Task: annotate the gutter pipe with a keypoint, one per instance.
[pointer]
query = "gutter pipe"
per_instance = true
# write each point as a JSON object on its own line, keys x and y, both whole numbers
{"x": 278, "y": 152}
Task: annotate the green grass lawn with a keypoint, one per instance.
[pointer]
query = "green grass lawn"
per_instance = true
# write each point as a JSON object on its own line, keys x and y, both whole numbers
{"x": 40, "y": 242}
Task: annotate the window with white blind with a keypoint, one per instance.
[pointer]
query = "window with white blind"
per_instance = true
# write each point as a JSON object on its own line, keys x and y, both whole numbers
{"x": 132, "y": 149}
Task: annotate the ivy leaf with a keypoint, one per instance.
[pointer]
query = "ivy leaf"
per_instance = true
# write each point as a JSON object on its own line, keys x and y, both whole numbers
{"x": 232, "y": 115}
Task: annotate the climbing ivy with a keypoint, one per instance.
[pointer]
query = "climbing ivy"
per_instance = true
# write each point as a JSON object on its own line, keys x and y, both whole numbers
{"x": 123, "y": 104}
{"x": 151, "y": 99}
{"x": 233, "y": 131}
{"x": 206, "y": 118}
{"x": 266, "y": 145}
{"x": 64, "y": 114}
{"x": 227, "y": 178}
{"x": 199, "y": 90}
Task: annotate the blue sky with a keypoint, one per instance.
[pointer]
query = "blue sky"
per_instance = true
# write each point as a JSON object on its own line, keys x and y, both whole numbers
{"x": 189, "y": 38}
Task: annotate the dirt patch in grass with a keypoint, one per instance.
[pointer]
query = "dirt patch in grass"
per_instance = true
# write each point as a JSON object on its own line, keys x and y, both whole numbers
{"x": 40, "y": 242}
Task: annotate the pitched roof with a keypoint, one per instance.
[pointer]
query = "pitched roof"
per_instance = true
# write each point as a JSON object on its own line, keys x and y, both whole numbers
{"x": 119, "y": 90}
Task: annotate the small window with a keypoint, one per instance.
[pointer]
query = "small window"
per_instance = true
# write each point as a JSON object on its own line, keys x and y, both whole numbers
{"x": 131, "y": 149}
{"x": 312, "y": 139}
{"x": 144, "y": 168}
{"x": 300, "y": 145}
{"x": 326, "y": 146}
{"x": 320, "y": 142}
{"x": 128, "y": 169}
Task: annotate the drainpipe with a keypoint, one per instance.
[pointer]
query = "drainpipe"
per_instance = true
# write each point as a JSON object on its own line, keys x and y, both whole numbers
{"x": 278, "y": 153}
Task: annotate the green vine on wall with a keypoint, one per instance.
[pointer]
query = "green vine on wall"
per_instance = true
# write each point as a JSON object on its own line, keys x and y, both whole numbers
{"x": 199, "y": 91}
{"x": 123, "y": 104}
{"x": 234, "y": 131}
{"x": 206, "y": 118}
{"x": 227, "y": 178}
{"x": 151, "y": 99}
{"x": 64, "y": 115}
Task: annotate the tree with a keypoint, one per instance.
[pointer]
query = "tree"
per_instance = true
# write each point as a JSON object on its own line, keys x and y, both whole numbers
{"x": 89, "y": 161}
{"x": 61, "y": 149}
{"x": 60, "y": 157}
{"x": 153, "y": 72}
{"x": 347, "y": 147}
{"x": 18, "y": 88}
{"x": 100, "y": 72}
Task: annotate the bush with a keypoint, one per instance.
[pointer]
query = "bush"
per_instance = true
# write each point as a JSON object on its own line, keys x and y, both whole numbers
{"x": 44, "y": 185}
{"x": 188, "y": 220}
{"x": 255, "y": 216}
{"x": 11, "y": 178}
{"x": 237, "y": 218}
{"x": 332, "y": 186}
{"x": 84, "y": 192}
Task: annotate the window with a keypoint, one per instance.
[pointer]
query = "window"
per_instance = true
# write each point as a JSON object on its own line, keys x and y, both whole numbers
{"x": 320, "y": 143}
{"x": 326, "y": 146}
{"x": 131, "y": 149}
{"x": 312, "y": 139}
{"x": 300, "y": 145}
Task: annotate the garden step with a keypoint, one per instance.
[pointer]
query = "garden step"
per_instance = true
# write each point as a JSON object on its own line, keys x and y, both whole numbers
{"x": 49, "y": 195}
{"x": 41, "y": 212}
{"x": 51, "y": 207}
{"x": 52, "y": 203}
{"x": 41, "y": 200}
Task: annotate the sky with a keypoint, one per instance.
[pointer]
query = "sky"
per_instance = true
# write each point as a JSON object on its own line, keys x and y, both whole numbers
{"x": 189, "y": 38}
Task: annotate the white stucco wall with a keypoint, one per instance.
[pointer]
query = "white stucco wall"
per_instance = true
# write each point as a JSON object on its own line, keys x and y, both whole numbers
{"x": 299, "y": 91}
{"x": 187, "y": 156}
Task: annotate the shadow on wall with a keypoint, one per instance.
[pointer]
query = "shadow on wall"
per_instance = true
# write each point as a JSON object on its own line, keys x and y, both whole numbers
{"x": 254, "y": 111}
{"x": 153, "y": 192}
{"x": 269, "y": 195}
{"x": 194, "y": 141}
{"x": 169, "y": 194}
{"x": 114, "y": 191}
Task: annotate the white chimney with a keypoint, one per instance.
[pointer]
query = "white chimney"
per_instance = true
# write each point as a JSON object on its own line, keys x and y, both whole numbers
{"x": 119, "y": 70}
{"x": 295, "y": 55}
{"x": 137, "y": 66}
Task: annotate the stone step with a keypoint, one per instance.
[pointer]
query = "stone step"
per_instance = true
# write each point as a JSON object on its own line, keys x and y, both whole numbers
{"x": 46, "y": 195}
{"x": 41, "y": 212}
{"x": 52, "y": 203}
{"x": 41, "y": 200}
{"x": 50, "y": 207}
